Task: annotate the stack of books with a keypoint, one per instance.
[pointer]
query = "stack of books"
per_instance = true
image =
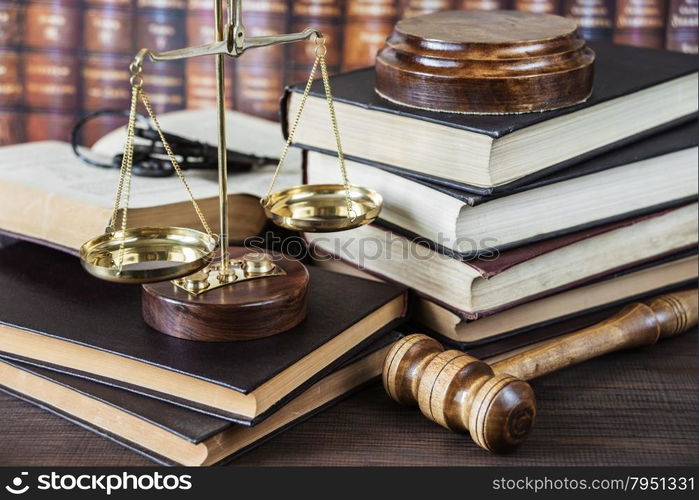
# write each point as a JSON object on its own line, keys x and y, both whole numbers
{"x": 504, "y": 223}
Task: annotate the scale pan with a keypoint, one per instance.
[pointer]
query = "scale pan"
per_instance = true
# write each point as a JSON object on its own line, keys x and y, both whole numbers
{"x": 150, "y": 254}
{"x": 322, "y": 207}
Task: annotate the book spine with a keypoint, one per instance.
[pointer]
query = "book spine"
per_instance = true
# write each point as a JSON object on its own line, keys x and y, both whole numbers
{"x": 51, "y": 68}
{"x": 483, "y": 4}
{"x": 538, "y": 6}
{"x": 640, "y": 23}
{"x": 160, "y": 26}
{"x": 368, "y": 24}
{"x": 11, "y": 82}
{"x": 108, "y": 46}
{"x": 200, "y": 72}
{"x": 412, "y": 8}
{"x": 683, "y": 26}
{"x": 595, "y": 18}
{"x": 326, "y": 16}
{"x": 260, "y": 78}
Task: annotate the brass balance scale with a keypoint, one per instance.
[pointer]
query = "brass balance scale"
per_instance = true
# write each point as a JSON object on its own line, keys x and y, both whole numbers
{"x": 195, "y": 286}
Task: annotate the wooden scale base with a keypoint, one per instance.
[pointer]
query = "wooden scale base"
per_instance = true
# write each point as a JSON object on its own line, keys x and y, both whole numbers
{"x": 247, "y": 310}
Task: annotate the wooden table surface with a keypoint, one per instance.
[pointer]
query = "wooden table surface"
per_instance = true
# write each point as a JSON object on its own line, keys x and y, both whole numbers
{"x": 636, "y": 407}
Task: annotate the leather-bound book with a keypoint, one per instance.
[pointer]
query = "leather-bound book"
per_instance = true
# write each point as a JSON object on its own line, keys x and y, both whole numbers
{"x": 169, "y": 434}
{"x": 53, "y": 24}
{"x": 52, "y": 36}
{"x": 11, "y": 81}
{"x": 637, "y": 93}
{"x": 683, "y": 26}
{"x": 326, "y": 16}
{"x": 495, "y": 281}
{"x": 368, "y": 24}
{"x": 594, "y": 17}
{"x": 11, "y": 22}
{"x": 160, "y": 26}
{"x": 105, "y": 80}
{"x": 260, "y": 73}
{"x": 200, "y": 72}
{"x": 483, "y": 4}
{"x": 640, "y": 23}
{"x": 412, "y": 8}
{"x": 108, "y": 47}
{"x": 540, "y": 6}
{"x": 239, "y": 381}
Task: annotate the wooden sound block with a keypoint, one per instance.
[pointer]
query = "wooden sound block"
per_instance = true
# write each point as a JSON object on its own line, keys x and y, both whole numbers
{"x": 240, "y": 311}
{"x": 485, "y": 63}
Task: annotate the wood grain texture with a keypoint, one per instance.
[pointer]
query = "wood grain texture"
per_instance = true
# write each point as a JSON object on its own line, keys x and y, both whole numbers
{"x": 636, "y": 407}
{"x": 485, "y": 62}
{"x": 242, "y": 311}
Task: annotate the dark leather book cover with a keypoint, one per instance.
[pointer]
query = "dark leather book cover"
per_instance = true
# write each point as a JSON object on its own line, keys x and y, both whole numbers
{"x": 12, "y": 115}
{"x": 80, "y": 309}
{"x": 538, "y": 6}
{"x": 620, "y": 70}
{"x": 682, "y": 32}
{"x": 595, "y": 18}
{"x": 367, "y": 24}
{"x": 194, "y": 427}
{"x": 640, "y": 22}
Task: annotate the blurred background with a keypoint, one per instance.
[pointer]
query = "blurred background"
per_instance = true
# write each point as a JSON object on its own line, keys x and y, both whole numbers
{"x": 60, "y": 59}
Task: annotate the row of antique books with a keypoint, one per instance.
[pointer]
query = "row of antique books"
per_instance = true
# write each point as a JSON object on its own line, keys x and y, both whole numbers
{"x": 62, "y": 58}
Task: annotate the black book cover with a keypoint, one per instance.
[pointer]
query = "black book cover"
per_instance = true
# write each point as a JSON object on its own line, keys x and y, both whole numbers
{"x": 79, "y": 308}
{"x": 192, "y": 426}
{"x": 619, "y": 70}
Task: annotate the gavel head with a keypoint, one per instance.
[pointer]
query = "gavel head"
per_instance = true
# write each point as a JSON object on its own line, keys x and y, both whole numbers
{"x": 460, "y": 392}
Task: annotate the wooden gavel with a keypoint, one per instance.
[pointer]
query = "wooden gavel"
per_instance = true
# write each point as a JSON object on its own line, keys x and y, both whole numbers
{"x": 493, "y": 401}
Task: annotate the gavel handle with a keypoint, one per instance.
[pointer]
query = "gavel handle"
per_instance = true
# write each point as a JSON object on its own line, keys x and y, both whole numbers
{"x": 635, "y": 326}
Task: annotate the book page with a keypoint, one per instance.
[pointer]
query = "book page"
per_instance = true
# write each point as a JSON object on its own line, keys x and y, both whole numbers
{"x": 244, "y": 133}
{"x": 52, "y": 167}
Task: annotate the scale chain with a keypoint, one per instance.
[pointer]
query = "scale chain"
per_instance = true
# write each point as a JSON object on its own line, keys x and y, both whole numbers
{"x": 125, "y": 172}
{"x": 320, "y": 52}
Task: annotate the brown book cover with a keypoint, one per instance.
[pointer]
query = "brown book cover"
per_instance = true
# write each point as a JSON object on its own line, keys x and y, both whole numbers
{"x": 241, "y": 381}
{"x": 169, "y": 434}
{"x": 11, "y": 82}
{"x": 51, "y": 68}
{"x": 200, "y": 72}
{"x": 412, "y": 8}
{"x": 260, "y": 74}
{"x": 160, "y": 26}
{"x": 483, "y": 4}
{"x": 538, "y": 6}
{"x": 326, "y": 16}
{"x": 595, "y": 18}
{"x": 108, "y": 47}
{"x": 683, "y": 26}
{"x": 368, "y": 24}
{"x": 640, "y": 23}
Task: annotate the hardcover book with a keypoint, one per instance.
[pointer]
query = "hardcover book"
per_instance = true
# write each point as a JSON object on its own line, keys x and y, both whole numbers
{"x": 169, "y": 434}
{"x": 640, "y": 22}
{"x": 637, "y": 93}
{"x": 500, "y": 280}
{"x": 560, "y": 313}
{"x": 239, "y": 381}
{"x": 595, "y": 18}
{"x": 627, "y": 181}
{"x": 682, "y": 33}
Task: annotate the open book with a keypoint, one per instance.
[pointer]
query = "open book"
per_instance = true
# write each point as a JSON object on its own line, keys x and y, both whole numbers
{"x": 49, "y": 195}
